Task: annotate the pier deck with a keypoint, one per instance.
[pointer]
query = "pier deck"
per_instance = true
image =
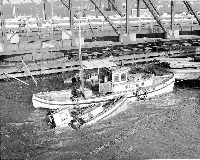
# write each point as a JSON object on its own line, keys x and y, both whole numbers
{"x": 119, "y": 53}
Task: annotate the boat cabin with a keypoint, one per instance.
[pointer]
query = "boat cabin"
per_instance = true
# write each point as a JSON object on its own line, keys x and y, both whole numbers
{"x": 120, "y": 80}
{"x": 112, "y": 78}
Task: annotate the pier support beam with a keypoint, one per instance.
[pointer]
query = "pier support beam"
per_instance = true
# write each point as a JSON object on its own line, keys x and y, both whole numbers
{"x": 138, "y": 8}
{"x": 172, "y": 15}
{"x": 44, "y": 10}
{"x": 72, "y": 21}
{"x": 127, "y": 15}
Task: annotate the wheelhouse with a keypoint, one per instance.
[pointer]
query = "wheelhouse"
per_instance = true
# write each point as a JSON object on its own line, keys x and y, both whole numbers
{"x": 113, "y": 79}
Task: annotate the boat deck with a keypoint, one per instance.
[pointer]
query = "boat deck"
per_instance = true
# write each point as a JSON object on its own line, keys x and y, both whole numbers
{"x": 159, "y": 79}
{"x": 65, "y": 95}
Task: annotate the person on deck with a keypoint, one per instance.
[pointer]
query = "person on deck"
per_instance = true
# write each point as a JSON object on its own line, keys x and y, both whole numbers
{"x": 74, "y": 81}
{"x": 76, "y": 84}
{"x": 74, "y": 87}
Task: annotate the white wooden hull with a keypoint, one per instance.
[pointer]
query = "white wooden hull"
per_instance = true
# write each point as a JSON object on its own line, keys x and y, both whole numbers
{"x": 159, "y": 89}
{"x": 41, "y": 103}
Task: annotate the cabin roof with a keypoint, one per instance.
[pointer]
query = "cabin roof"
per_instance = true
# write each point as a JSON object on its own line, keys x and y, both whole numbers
{"x": 121, "y": 70}
{"x": 98, "y": 64}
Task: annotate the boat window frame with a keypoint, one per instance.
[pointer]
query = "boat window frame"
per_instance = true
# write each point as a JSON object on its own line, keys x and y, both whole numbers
{"x": 116, "y": 75}
{"x": 123, "y": 79}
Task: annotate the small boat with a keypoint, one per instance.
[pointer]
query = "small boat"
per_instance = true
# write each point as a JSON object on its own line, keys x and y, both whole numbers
{"x": 77, "y": 117}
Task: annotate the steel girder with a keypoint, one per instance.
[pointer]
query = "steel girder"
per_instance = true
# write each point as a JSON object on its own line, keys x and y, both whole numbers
{"x": 190, "y": 9}
{"x": 151, "y": 7}
{"x": 154, "y": 7}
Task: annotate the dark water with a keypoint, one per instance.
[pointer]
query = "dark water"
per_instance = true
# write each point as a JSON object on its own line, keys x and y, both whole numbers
{"x": 166, "y": 127}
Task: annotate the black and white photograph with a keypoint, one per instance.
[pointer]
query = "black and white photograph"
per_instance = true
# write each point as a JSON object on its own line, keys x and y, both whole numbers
{"x": 99, "y": 79}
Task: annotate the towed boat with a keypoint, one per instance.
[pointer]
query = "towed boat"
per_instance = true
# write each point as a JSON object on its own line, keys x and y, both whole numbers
{"x": 77, "y": 117}
{"x": 111, "y": 81}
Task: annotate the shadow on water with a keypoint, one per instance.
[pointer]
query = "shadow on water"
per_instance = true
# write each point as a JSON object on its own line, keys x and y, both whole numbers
{"x": 188, "y": 84}
{"x": 165, "y": 127}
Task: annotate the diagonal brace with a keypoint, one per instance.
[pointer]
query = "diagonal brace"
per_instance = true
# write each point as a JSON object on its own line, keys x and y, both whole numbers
{"x": 75, "y": 15}
{"x": 116, "y": 9}
{"x": 149, "y": 5}
{"x": 154, "y": 7}
{"x": 190, "y": 9}
{"x": 105, "y": 16}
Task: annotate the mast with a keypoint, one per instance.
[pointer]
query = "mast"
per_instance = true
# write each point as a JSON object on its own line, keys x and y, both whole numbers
{"x": 80, "y": 59}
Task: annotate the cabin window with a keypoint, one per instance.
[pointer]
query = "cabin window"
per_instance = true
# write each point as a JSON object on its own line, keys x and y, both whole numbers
{"x": 116, "y": 78}
{"x": 123, "y": 77}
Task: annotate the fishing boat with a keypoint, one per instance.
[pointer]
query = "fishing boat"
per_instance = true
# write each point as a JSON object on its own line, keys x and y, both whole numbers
{"x": 110, "y": 83}
{"x": 77, "y": 117}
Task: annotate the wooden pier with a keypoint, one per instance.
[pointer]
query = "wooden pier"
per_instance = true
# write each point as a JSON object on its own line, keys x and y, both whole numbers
{"x": 46, "y": 46}
{"x": 121, "y": 54}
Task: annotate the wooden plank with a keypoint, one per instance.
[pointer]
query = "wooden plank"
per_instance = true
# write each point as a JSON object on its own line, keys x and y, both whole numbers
{"x": 11, "y": 47}
{"x": 27, "y": 57}
{"x": 34, "y": 45}
{"x": 37, "y": 56}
